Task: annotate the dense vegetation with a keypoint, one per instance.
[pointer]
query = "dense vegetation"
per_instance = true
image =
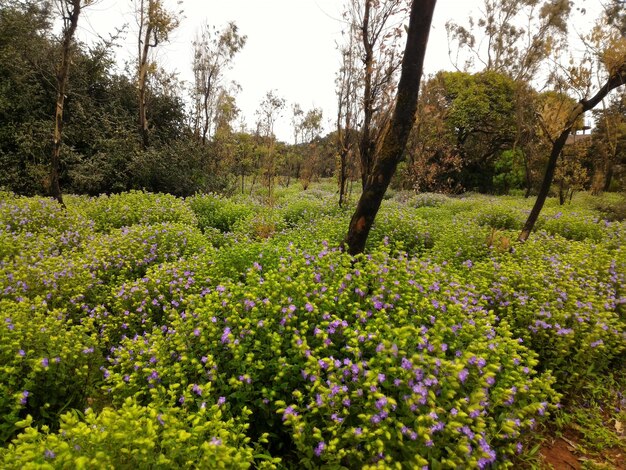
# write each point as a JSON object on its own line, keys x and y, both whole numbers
{"x": 144, "y": 330}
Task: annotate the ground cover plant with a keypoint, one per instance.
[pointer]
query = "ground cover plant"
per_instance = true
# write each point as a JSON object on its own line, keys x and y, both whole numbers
{"x": 144, "y": 330}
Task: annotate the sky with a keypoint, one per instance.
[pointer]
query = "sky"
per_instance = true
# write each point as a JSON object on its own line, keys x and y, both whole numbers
{"x": 291, "y": 46}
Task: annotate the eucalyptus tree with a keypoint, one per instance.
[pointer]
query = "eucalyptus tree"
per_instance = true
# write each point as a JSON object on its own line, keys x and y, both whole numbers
{"x": 396, "y": 134}
{"x": 374, "y": 30}
{"x": 213, "y": 52}
{"x": 347, "y": 109}
{"x": 269, "y": 112}
{"x": 155, "y": 24}
{"x": 69, "y": 11}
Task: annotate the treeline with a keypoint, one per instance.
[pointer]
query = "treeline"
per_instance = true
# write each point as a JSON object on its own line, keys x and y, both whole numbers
{"x": 103, "y": 147}
{"x": 140, "y": 128}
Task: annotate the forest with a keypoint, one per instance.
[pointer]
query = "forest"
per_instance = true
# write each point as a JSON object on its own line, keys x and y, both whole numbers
{"x": 437, "y": 282}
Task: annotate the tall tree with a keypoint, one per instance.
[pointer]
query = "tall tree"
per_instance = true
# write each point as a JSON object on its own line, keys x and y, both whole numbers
{"x": 269, "y": 111}
{"x": 155, "y": 25}
{"x": 347, "y": 110}
{"x": 611, "y": 47}
{"x": 70, "y": 11}
{"x": 213, "y": 52}
{"x": 608, "y": 145}
{"x": 397, "y": 133}
{"x": 375, "y": 29}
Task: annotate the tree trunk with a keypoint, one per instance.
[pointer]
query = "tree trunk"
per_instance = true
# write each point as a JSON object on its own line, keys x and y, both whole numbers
{"x": 70, "y": 19}
{"x": 342, "y": 176}
{"x": 608, "y": 177}
{"x": 397, "y": 133}
{"x": 615, "y": 80}
{"x": 143, "y": 50}
{"x": 366, "y": 146}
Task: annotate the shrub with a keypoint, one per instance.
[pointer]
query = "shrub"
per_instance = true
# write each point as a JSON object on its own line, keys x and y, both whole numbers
{"x": 131, "y": 208}
{"x": 310, "y": 349}
{"x": 134, "y": 436}
{"x": 47, "y": 364}
{"x": 214, "y": 211}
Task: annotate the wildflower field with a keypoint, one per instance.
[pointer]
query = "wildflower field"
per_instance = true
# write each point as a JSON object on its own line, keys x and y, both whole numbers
{"x": 147, "y": 331}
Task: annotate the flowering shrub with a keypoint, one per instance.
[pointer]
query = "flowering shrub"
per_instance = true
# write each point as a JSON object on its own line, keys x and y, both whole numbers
{"x": 134, "y": 207}
{"x": 310, "y": 348}
{"x": 134, "y": 435}
{"x": 239, "y": 335}
{"x": 46, "y": 364}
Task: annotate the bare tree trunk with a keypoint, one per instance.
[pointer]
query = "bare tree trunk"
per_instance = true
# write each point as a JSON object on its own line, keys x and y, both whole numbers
{"x": 608, "y": 177}
{"x": 145, "y": 31}
{"x": 366, "y": 145}
{"x": 397, "y": 133}
{"x": 71, "y": 11}
{"x": 616, "y": 80}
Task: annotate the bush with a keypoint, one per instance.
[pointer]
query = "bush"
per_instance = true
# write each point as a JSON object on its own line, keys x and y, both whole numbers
{"x": 134, "y": 436}
{"x": 214, "y": 211}
{"x": 47, "y": 364}
{"x": 131, "y": 208}
{"x": 310, "y": 349}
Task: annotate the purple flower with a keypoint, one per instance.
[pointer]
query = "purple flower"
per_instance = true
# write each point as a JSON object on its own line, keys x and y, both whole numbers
{"x": 49, "y": 454}
{"x": 44, "y": 362}
{"x": 24, "y": 398}
{"x": 21, "y": 352}
{"x": 196, "y": 332}
{"x": 221, "y": 401}
{"x": 463, "y": 375}
{"x": 309, "y": 308}
{"x": 225, "y": 334}
{"x": 289, "y": 411}
{"x": 358, "y": 431}
{"x": 320, "y": 448}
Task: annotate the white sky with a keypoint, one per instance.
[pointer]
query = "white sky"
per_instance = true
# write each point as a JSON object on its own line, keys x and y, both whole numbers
{"x": 291, "y": 46}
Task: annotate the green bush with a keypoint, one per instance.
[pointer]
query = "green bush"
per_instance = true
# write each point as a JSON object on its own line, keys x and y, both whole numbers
{"x": 217, "y": 212}
{"x": 310, "y": 348}
{"x": 47, "y": 364}
{"x": 134, "y": 436}
{"x": 131, "y": 208}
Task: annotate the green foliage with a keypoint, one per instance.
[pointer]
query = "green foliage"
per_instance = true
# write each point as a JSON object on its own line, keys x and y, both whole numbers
{"x": 179, "y": 321}
{"x": 220, "y": 213}
{"x": 509, "y": 171}
{"x": 134, "y": 207}
{"x": 133, "y": 436}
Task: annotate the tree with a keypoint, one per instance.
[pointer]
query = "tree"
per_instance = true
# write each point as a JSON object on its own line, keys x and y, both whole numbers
{"x": 374, "y": 31}
{"x": 397, "y": 133}
{"x": 269, "y": 111}
{"x": 464, "y": 123}
{"x": 516, "y": 51}
{"x": 612, "y": 57}
{"x": 213, "y": 54}
{"x": 347, "y": 111}
{"x": 608, "y": 144}
{"x": 155, "y": 25}
{"x": 70, "y": 11}
{"x": 516, "y": 39}
{"x": 311, "y": 127}
{"x": 27, "y": 94}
